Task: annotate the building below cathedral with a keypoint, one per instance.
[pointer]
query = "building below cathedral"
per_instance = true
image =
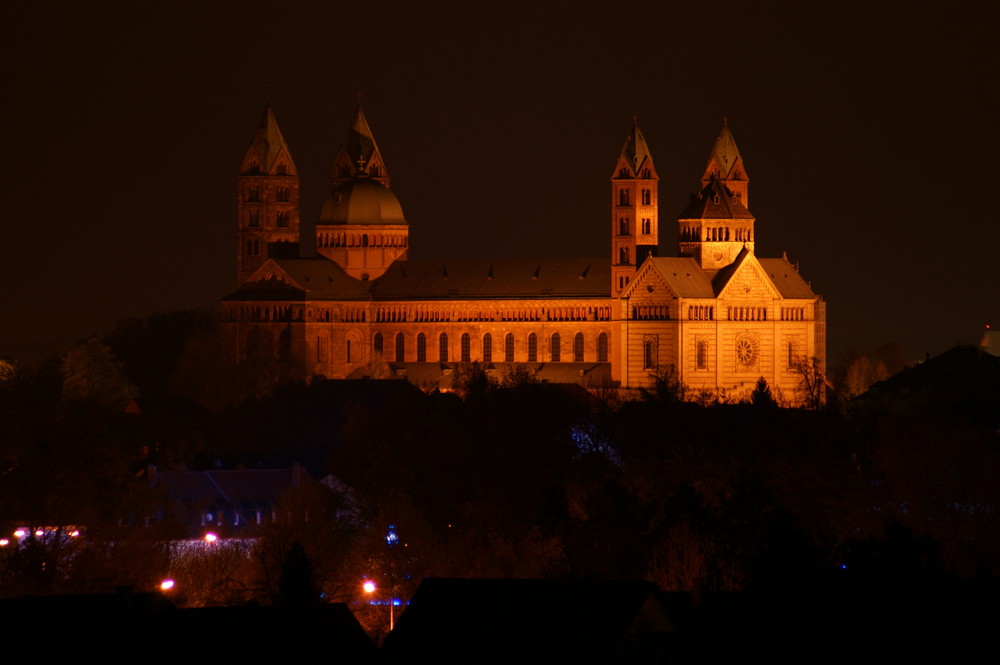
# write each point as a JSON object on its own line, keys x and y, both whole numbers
{"x": 716, "y": 315}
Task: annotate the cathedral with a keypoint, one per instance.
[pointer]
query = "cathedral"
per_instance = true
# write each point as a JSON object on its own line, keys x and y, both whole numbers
{"x": 716, "y": 316}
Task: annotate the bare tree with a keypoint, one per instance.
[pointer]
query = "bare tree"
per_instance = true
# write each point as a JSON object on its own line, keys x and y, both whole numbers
{"x": 812, "y": 382}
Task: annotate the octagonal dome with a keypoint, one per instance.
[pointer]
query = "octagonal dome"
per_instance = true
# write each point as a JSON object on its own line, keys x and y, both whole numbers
{"x": 362, "y": 201}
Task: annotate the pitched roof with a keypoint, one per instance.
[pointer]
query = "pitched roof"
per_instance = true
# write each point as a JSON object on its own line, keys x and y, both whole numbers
{"x": 715, "y": 201}
{"x": 315, "y": 278}
{"x": 724, "y": 153}
{"x": 681, "y": 273}
{"x": 635, "y": 152}
{"x": 268, "y": 142}
{"x": 508, "y": 278}
{"x": 358, "y": 145}
{"x": 786, "y": 278}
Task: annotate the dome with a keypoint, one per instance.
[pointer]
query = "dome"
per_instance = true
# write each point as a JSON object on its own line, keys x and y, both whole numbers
{"x": 362, "y": 201}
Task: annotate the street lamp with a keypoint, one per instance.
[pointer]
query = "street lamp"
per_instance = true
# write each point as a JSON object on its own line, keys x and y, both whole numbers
{"x": 370, "y": 588}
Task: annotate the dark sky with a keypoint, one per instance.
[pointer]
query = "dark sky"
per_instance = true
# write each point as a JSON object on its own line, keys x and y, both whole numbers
{"x": 868, "y": 130}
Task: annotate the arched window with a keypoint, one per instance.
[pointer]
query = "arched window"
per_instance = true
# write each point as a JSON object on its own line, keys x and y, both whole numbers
{"x": 623, "y": 197}
{"x": 282, "y": 195}
{"x": 466, "y": 348}
{"x": 443, "y": 348}
{"x": 377, "y": 344}
{"x": 487, "y": 348}
{"x": 649, "y": 353}
{"x": 283, "y": 220}
{"x": 602, "y": 348}
{"x": 508, "y": 348}
{"x": 532, "y": 348}
{"x": 645, "y": 197}
{"x": 554, "y": 348}
{"x": 421, "y": 348}
{"x": 578, "y": 347}
{"x": 400, "y": 347}
{"x": 623, "y": 256}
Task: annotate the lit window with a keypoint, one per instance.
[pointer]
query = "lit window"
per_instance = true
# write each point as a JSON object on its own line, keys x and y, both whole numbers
{"x": 466, "y": 348}
{"x": 443, "y": 348}
{"x": 649, "y": 353}
{"x": 487, "y": 348}
{"x": 602, "y": 348}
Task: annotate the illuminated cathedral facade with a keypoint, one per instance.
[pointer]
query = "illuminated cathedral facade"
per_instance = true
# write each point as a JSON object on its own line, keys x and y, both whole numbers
{"x": 716, "y": 315}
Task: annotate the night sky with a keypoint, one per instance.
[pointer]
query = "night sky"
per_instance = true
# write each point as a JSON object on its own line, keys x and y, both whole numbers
{"x": 868, "y": 130}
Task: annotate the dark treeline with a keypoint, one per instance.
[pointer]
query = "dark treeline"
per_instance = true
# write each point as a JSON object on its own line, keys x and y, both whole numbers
{"x": 504, "y": 478}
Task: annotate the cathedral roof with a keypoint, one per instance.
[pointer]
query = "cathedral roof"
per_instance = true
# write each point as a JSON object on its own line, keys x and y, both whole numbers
{"x": 300, "y": 279}
{"x": 682, "y": 274}
{"x": 725, "y": 154}
{"x": 782, "y": 274}
{"x": 715, "y": 201}
{"x": 362, "y": 201}
{"x": 786, "y": 278}
{"x": 511, "y": 278}
{"x": 358, "y": 148}
{"x": 635, "y": 152}
{"x": 268, "y": 142}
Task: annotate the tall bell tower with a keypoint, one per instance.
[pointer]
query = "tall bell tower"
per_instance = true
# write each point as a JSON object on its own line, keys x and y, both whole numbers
{"x": 634, "y": 227}
{"x": 267, "y": 200}
{"x": 716, "y": 225}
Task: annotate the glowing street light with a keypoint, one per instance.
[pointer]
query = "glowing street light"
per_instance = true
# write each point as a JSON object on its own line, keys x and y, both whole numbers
{"x": 210, "y": 537}
{"x": 369, "y": 587}
{"x": 167, "y": 584}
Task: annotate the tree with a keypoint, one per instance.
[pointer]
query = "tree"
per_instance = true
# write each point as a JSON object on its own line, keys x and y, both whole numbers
{"x": 92, "y": 374}
{"x": 812, "y": 383}
{"x": 861, "y": 374}
{"x": 666, "y": 385}
{"x": 761, "y": 395}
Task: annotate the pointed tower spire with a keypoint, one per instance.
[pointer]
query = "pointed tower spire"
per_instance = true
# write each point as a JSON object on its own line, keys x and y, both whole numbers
{"x": 726, "y": 165}
{"x": 268, "y": 199}
{"x": 361, "y": 225}
{"x": 358, "y": 154}
{"x": 634, "y": 227}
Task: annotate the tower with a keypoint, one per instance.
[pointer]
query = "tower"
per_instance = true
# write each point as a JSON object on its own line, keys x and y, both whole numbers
{"x": 726, "y": 165}
{"x": 358, "y": 155}
{"x": 716, "y": 225}
{"x": 267, "y": 200}
{"x": 634, "y": 231}
{"x": 361, "y": 226}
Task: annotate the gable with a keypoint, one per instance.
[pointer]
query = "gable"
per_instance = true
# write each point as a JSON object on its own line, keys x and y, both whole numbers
{"x": 681, "y": 275}
{"x": 650, "y": 286}
{"x": 748, "y": 281}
